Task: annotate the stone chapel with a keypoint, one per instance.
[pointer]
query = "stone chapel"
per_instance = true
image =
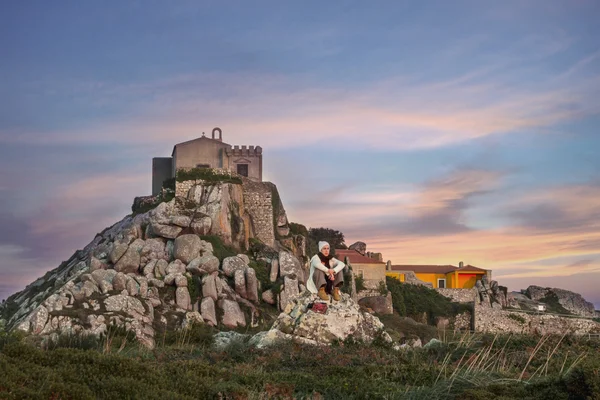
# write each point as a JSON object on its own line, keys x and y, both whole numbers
{"x": 205, "y": 152}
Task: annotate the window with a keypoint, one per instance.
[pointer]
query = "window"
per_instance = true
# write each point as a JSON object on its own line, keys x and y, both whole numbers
{"x": 361, "y": 273}
{"x": 202, "y": 166}
{"x": 242, "y": 169}
{"x": 441, "y": 283}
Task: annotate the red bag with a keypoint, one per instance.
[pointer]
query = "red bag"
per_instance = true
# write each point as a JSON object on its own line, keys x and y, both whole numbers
{"x": 320, "y": 308}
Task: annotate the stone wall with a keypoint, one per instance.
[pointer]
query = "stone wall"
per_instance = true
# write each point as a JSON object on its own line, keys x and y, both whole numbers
{"x": 258, "y": 201}
{"x": 459, "y": 295}
{"x": 250, "y": 156}
{"x": 182, "y": 188}
{"x": 495, "y": 320}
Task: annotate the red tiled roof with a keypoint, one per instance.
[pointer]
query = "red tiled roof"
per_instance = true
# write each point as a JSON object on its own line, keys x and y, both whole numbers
{"x": 355, "y": 257}
{"x": 435, "y": 269}
{"x": 471, "y": 268}
{"x": 425, "y": 269}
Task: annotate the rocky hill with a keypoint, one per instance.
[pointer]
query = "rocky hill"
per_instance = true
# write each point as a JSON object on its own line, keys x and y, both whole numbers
{"x": 181, "y": 262}
{"x": 555, "y": 300}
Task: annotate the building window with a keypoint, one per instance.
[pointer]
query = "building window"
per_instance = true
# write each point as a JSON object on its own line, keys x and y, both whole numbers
{"x": 361, "y": 273}
{"x": 441, "y": 283}
{"x": 242, "y": 169}
{"x": 202, "y": 166}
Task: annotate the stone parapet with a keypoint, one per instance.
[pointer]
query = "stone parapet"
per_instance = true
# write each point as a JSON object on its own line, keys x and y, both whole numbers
{"x": 493, "y": 320}
{"x": 459, "y": 295}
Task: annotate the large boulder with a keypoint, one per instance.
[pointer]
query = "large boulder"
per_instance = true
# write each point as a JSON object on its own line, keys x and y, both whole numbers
{"x": 379, "y": 304}
{"x": 289, "y": 265}
{"x": 120, "y": 282}
{"x": 251, "y": 285}
{"x": 274, "y": 270}
{"x": 203, "y": 265}
{"x": 289, "y": 292}
{"x": 187, "y": 247}
{"x": 118, "y": 249}
{"x": 232, "y": 264}
{"x": 342, "y": 320}
{"x": 154, "y": 249}
{"x": 269, "y": 297}
{"x": 232, "y": 314}
{"x": 97, "y": 264}
{"x": 182, "y": 298}
{"x": 130, "y": 261}
{"x": 166, "y": 231}
{"x": 239, "y": 278}
{"x": 360, "y": 247}
{"x": 570, "y": 301}
{"x": 207, "y": 309}
{"x": 209, "y": 287}
{"x": 175, "y": 267}
{"x": 202, "y": 226}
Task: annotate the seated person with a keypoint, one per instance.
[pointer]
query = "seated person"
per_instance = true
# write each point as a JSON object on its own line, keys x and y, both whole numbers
{"x": 325, "y": 274}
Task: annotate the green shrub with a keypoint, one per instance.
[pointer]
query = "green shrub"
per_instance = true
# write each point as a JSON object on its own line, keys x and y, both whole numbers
{"x": 298, "y": 229}
{"x": 207, "y": 175}
{"x": 360, "y": 283}
{"x": 263, "y": 273}
{"x": 169, "y": 184}
{"x": 382, "y": 288}
{"x": 414, "y": 300}
{"x": 517, "y": 317}
{"x": 195, "y": 288}
{"x": 220, "y": 249}
{"x": 74, "y": 341}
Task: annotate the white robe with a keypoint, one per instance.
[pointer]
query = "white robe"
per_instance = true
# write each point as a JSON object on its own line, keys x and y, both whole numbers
{"x": 315, "y": 262}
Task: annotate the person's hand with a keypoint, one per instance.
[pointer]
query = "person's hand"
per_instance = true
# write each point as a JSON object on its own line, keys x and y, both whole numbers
{"x": 331, "y": 274}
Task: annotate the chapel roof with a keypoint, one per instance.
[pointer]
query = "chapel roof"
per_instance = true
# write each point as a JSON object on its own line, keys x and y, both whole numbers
{"x": 355, "y": 257}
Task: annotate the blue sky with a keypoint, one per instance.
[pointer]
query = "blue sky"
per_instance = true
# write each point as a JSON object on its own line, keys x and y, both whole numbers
{"x": 434, "y": 131}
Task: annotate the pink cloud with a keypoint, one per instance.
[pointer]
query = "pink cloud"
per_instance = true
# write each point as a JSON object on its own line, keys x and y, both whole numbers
{"x": 277, "y": 111}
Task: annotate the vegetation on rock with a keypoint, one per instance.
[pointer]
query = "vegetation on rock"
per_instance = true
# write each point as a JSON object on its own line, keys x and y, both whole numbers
{"x": 553, "y": 305}
{"x": 206, "y": 175}
{"x": 220, "y": 249}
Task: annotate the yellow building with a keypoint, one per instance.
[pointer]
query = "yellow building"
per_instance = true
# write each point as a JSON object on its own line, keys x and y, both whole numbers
{"x": 441, "y": 276}
{"x": 371, "y": 270}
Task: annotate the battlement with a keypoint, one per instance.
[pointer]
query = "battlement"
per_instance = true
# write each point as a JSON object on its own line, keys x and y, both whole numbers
{"x": 244, "y": 151}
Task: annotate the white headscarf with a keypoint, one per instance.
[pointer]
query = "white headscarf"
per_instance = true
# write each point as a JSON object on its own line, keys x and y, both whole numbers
{"x": 323, "y": 244}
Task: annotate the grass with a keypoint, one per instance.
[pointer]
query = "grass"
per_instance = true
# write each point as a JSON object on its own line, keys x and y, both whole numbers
{"x": 186, "y": 366}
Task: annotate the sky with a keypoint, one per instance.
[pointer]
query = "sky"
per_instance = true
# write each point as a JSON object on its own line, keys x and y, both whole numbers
{"x": 434, "y": 131}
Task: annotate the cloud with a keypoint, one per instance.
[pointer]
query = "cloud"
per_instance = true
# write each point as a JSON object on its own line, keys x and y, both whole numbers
{"x": 18, "y": 269}
{"x": 404, "y": 112}
{"x": 559, "y": 208}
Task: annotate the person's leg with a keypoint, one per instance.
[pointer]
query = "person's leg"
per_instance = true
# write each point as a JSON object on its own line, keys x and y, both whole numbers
{"x": 337, "y": 283}
{"x": 339, "y": 279}
{"x": 320, "y": 282}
